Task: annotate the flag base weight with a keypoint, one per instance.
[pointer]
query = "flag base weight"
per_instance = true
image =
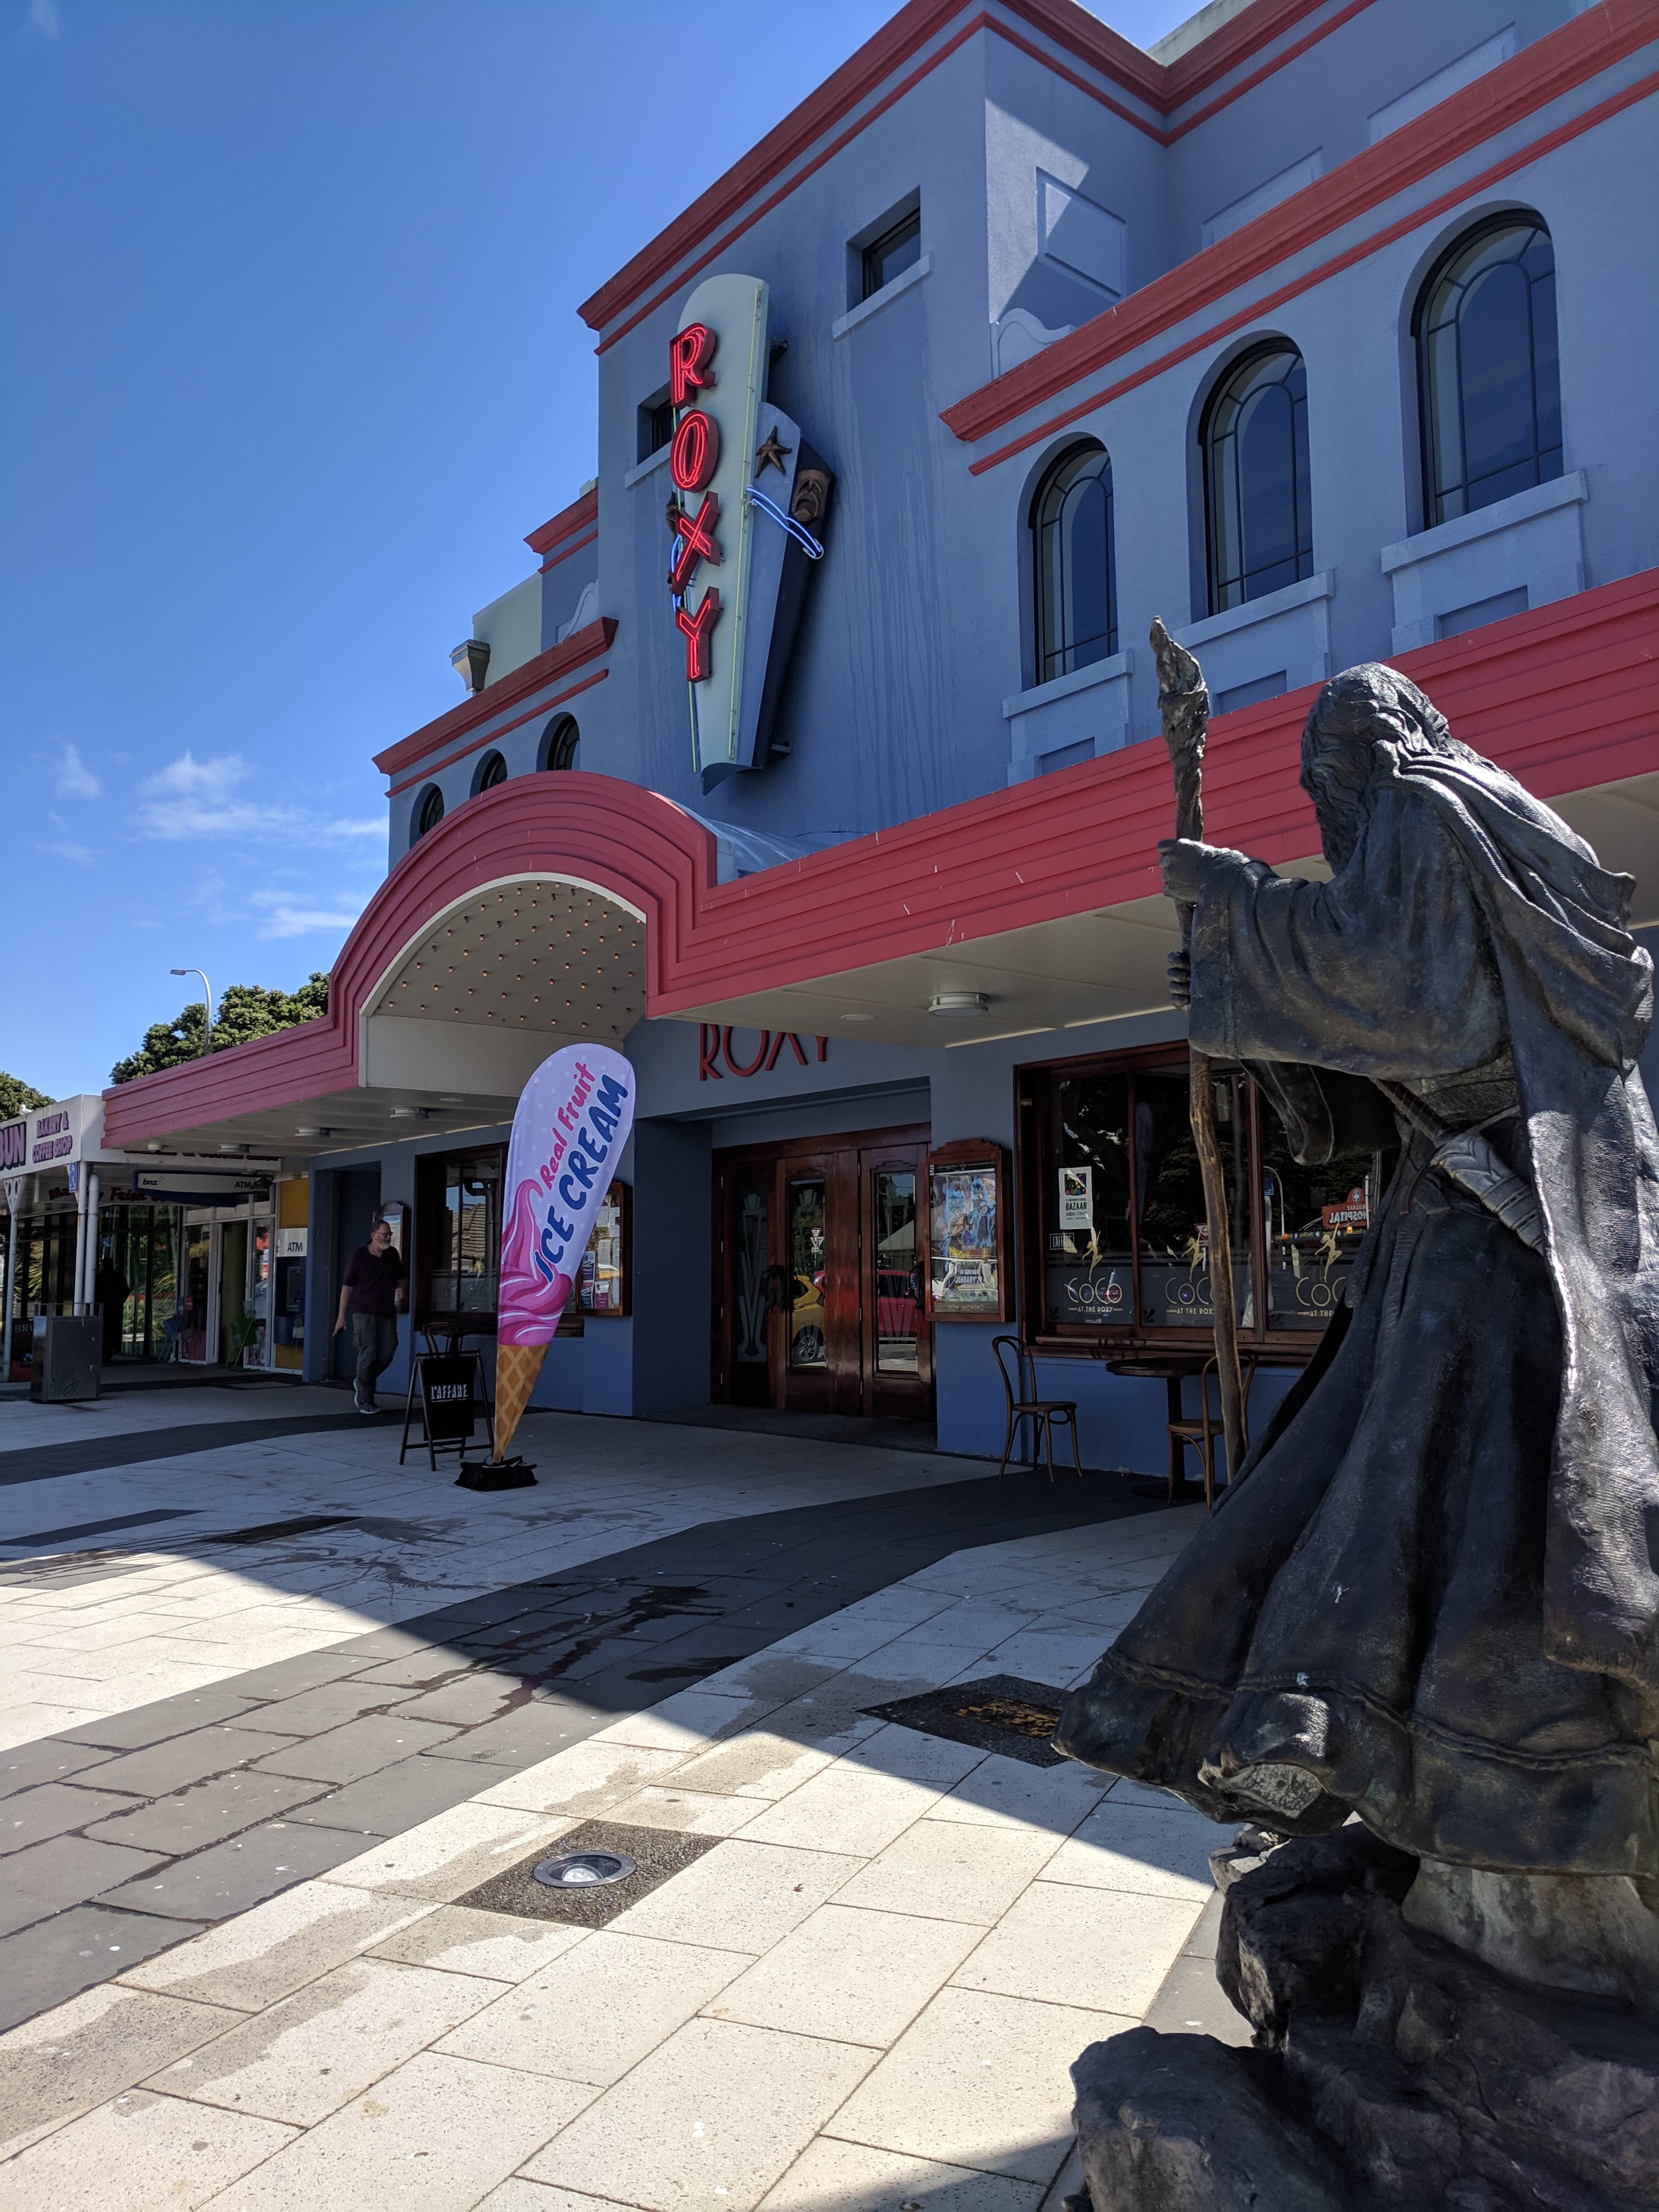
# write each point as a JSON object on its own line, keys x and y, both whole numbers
{"x": 513, "y": 1473}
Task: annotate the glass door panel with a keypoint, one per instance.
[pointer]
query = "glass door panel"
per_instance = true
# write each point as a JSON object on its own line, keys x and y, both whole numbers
{"x": 808, "y": 1269}
{"x": 193, "y": 1314}
{"x": 1175, "y": 1263}
{"x": 751, "y": 1277}
{"x": 898, "y": 1280}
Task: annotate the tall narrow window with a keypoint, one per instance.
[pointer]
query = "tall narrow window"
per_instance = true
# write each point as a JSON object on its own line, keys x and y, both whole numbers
{"x": 429, "y": 811}
{"x": 1075, "y": 595}
{"x": 891, "y": 254}
{"x": 1257, "y": 501}
{"x": 491, "y": 770}
{"x": 1488, "y": 384}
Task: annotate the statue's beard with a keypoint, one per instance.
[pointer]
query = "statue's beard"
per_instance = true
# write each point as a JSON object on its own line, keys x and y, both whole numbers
{"x": 1341, "y": 816}
{"x": 1337, "y": 779}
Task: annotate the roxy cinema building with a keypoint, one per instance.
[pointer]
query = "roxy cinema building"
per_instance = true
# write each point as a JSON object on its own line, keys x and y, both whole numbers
{"x": 815, "y": 762}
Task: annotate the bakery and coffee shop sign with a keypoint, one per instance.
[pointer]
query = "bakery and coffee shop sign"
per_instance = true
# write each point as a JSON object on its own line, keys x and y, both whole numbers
{"x": 746, "y": 518}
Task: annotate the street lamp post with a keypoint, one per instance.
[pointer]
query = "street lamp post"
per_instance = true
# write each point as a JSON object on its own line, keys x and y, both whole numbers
{"x": 207, "y": 993}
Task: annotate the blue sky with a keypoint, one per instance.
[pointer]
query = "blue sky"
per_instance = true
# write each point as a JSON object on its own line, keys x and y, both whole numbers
{"x": 293, "y": 363}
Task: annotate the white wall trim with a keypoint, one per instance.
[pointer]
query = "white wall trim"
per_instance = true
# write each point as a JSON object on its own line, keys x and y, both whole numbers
{"x": 1226, "y": 624}
{"x": 641, "y": 470}
{"x": 1570, "y": 490}
{"x": 1063, "y": 687}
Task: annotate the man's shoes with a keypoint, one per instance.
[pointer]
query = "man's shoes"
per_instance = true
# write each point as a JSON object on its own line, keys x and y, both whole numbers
{"x": 371, "y": 1409}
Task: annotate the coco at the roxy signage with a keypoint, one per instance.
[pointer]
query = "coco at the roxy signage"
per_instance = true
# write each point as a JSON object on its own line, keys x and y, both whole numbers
{"x": 742, "y": 547}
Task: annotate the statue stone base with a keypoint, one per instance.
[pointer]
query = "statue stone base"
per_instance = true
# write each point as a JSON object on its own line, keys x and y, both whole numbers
{"x": 1391, "y": 2067}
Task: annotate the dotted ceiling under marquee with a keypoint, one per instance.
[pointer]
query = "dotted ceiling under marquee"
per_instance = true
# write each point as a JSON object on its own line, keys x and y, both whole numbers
{"x": 544, "y": 956}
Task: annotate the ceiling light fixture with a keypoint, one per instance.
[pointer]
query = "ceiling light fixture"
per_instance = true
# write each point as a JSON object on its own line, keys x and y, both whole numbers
{"x": 959, "y": 1005}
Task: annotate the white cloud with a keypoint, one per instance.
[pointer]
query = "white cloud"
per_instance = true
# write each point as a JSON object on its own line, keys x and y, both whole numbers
{"x": 42, "y": 18}
{"x": 285, "y": 919}
{"x": 81, "y": 854}
{"x": 75, "y": 779}
{"x": 196, "y": 799}
{"x": 368, "y": 826}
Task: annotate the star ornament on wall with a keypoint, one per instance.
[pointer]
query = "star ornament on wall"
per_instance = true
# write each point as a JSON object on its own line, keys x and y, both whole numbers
{"x": 772, "y": 454}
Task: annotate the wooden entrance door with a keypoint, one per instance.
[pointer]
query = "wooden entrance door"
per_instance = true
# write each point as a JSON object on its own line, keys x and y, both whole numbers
{"x": 818, "y": 1252}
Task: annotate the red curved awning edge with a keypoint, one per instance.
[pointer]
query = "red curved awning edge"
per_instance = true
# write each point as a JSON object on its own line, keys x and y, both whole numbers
{"x": 1563, "y": 696}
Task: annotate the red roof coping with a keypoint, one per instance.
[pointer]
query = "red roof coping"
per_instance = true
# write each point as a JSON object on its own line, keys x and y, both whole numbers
{"x": 567, "y": 522}
{"x": 547, "y": 667}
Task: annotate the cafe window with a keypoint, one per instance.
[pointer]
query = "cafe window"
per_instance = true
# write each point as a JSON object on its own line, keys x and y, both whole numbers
{"x": 1117, "y": 1243}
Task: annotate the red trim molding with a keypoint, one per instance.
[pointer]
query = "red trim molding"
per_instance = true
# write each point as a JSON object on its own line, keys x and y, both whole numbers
{"x": 579, "y": 515}
{"x": 1562, "y": 696}
{"x": 571, "y": 545}
{"x": 1431, "y": 211}
{"x": 1506, "y": 95}
{"x": 495, "y": 699}
{"x": 477, "y": 742}
{"x": 860, "y": 78}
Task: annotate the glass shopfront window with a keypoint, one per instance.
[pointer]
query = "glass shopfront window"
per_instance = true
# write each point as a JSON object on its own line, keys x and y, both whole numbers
{"x": 459, "y": 1235}
{"x": 1117, "y": 1236}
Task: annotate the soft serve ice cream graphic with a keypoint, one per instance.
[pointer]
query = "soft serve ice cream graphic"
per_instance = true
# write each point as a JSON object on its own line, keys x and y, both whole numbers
{"x": 572, "y": 1122}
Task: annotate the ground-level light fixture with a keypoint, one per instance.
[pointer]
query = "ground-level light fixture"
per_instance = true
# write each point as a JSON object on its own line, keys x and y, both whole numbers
{"x": 584, "y": 1869}
{"x": 959, "y": 1005}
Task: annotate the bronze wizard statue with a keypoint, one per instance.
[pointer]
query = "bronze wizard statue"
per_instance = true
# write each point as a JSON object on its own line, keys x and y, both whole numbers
{"x": 1428, "y": 1598}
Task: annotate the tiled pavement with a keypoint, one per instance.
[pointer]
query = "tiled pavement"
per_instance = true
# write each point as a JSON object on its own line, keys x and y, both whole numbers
{"x": 867, "y": 1993}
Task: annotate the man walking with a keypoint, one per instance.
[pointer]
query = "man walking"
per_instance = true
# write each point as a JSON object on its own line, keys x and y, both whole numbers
{"x": 371, "y": 1292}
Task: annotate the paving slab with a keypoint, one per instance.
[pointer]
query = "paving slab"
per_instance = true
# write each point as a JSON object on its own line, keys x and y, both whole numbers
{"x": 86, "y": 1944}
{"x": 400, "y": 1796}
{"x": 858, "y": 1977}
{"x": 1104, "y": 1947}
{"x": 429, "y": 2137}
{"x": 182, "y": 1759}
{"x": 464, "y": 1939}
{"x": 306, "y": 2056}
{"x": 708, "y": 2123}
{"x": 204, "y": 1813}
{"x": 152, "y": 1723}
{"x": 79, "y": 2053}
{"x": 45, "y": 1877}
{"x": 232, "y": 1876}
{"x": 27, "y": 1764}
{"x": 855, "y": 2177}
{"x": 53, "y": 1809}
{"x": 739, "y": 1896}
{"x": 360, "y": 1747}
{"x": 136, "y": 2152}
{"x": 264, "y": 1955}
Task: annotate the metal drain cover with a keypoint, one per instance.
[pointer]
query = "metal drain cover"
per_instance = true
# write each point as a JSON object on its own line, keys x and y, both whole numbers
{"x": 584, "y": 1869}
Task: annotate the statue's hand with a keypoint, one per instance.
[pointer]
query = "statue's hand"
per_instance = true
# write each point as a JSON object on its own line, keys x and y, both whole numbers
{"x": 1180, "y": 980}
{"x": 1182, "y": 860}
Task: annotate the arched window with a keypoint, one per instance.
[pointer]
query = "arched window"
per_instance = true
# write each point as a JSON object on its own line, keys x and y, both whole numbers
{"x": 561, "y": 745}
{"x": 428, "y": 812}
{"x": 1258, "y": 510}
{"x": 490, "y": 771}
{"x": 1488, "y": 386}
{"x": 1075, "y": 594}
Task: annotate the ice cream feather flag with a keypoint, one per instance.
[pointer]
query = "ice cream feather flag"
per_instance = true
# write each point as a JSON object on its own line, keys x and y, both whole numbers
{"x": 568, "y": 1136}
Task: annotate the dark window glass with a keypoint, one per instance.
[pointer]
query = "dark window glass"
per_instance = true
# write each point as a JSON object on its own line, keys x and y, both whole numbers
{"x": 1257, "y": 500}
{"x": 430, "y": 811}
{"x": 461, "y": 1232}
{"x": 1488, "y": 384}
{"x": 561, "y": 741}
{"x": 1075, "y": 596}
{"x": 656, "y": 426}
{"x": 891, "y": 254}
{"x": 492, "y": 770}
{"x": 1118, "y": 1198}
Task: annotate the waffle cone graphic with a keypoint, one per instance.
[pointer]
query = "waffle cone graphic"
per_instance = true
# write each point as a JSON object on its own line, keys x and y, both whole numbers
{"x": 517, "y": 1366}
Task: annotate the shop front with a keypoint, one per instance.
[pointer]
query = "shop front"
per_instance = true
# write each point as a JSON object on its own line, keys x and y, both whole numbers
{"x": 172, "y": 1251}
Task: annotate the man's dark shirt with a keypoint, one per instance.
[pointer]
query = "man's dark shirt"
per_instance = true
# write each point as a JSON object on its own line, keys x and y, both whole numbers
{"x": 373, "y": 1283}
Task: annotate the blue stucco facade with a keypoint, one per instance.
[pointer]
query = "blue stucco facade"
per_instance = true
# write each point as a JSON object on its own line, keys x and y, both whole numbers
{"x": 1049, "y": 194}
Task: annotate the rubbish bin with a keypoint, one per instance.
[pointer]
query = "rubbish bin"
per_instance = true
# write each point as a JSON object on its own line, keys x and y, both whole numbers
{"x": 67, "y": 1352}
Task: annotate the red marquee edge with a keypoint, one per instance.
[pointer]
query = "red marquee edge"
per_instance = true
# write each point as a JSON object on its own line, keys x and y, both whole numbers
{"x": 1563, "y": 696}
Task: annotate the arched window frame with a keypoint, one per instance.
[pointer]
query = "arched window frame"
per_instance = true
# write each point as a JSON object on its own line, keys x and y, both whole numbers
{"x": 426, "y": 812}
{"x": 1446, "y": 491}
{"x": 1064, "y": 636}
{"x": 560, "y": 740}
{"x": 1231, "y": 580}
{"x": 490, "y": 771}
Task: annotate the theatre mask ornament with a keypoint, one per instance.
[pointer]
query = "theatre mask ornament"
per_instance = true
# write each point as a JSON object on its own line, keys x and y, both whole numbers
{"x": 746, "y": 518}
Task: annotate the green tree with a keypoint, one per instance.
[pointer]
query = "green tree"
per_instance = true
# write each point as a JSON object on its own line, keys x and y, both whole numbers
{"x": 17, "y": 1096}
{"x": 246, "y": 1011}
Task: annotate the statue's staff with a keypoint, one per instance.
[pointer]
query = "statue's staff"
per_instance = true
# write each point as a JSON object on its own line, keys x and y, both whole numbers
{"x": 1184, "y": 703}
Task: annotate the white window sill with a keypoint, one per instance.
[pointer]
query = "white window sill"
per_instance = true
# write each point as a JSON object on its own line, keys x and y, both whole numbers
{"x": 1570, "y": 490}
{"x": 1311, "y": 588}
{"x": 1064, "y": 687}
{"x": 877, "y": 301}
{"x": 649, "y": 466}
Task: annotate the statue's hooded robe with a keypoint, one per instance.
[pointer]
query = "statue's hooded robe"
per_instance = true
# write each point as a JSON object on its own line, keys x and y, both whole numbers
{"x": 1432, "y": 1597}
